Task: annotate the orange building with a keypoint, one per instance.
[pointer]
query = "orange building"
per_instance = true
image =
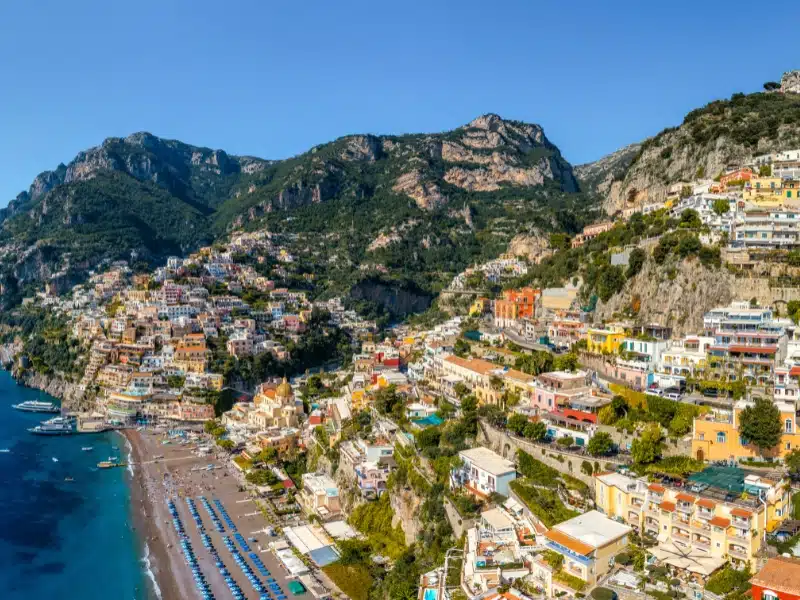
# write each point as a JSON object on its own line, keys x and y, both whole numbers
{"x": 743, "y": 174}
{"x": 515, "y": 304}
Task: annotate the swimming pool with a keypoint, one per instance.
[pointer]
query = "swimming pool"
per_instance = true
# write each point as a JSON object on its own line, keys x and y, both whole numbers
{"x": 429, "y": 421}
{"x": 430, "y": 594}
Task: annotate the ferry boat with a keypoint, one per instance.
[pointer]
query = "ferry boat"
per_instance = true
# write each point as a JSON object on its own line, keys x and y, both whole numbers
{"x": 36, "y": 406}
{"x": 55, "y": 426}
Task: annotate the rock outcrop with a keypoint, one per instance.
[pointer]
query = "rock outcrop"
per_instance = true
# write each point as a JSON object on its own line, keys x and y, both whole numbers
{"x": 790, "y": 82}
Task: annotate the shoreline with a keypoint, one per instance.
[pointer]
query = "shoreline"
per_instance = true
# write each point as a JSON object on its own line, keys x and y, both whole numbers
{"x": 160, "y": 567}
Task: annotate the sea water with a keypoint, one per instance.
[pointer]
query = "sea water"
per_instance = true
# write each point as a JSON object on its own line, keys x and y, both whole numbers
{"x": 59, "y": 538}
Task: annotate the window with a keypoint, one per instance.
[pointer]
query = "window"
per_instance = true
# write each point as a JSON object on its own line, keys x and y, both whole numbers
{"x": 721, "y": 437}
{"x": 702, "y": 436}
{"x": 788, "y": 425}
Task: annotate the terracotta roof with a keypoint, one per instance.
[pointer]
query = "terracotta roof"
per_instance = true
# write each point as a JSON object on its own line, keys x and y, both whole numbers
{"x": 654, "y": 487}
{"x": 794, "y": 371}
{"x": 483, "y": 367}
{"x": 667, "y": 506}
{"x": 563, "y": 539}
{"x": 685, "y": 498}
{"x": 740, "y": 512}
{"x": 720, "y": 522}
{"x": 706, "y": 503}
{"x": 779, "y": 574}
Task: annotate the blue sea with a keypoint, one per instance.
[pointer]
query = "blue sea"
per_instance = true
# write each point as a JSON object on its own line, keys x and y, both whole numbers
{"x": 61, "y": 539}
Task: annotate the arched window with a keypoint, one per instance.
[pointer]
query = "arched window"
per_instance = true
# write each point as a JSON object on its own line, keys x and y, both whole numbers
{"x": 721, "y": 437}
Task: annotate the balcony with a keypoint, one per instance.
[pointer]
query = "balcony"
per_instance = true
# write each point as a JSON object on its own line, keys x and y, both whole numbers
{"x": 738, "y": 552}
{"x": 700, "y": 527}
{"x": 685, "y": 507}
{"x": 682, "y": 519}
{"x": 739, "y": 534}
{"x": 701, "y": 542}
{"x": 680, "y": 534}
{"x": 704, "y": 513}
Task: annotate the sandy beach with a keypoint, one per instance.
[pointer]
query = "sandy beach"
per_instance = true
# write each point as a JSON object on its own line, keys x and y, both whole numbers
{"x": 176, "y": 474}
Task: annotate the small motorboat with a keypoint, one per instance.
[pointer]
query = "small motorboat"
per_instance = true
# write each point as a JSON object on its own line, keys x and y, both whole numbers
{"x": 4, "y": 450}
{"x": 68, "y": 479}
{"x": 55, "y": 459}
{"x": 87, "y": 448}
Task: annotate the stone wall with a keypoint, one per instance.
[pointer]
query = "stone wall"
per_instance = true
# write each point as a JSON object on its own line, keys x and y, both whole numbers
{"x": 459, "y": 525}
{"x": 563, "y": 461}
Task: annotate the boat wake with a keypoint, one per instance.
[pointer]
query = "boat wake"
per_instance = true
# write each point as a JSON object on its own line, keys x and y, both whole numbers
{"x": 149, "y": 571}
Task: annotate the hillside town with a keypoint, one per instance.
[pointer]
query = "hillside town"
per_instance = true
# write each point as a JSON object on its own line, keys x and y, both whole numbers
{"x": 566, "y": 456}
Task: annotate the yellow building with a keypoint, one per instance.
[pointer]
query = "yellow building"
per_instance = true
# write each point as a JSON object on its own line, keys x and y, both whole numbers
{"x": 716, "y": 436}
{"x": 479, "y": 307}
{"x": 698, "y": 532}
{"x": 588, "y": 543}
{"x": 602, "y": 341}
{"x": 771, "y": 191}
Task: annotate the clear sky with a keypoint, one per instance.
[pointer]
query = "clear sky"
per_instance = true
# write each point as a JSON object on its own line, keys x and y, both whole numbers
{"x": 271, "y": 78}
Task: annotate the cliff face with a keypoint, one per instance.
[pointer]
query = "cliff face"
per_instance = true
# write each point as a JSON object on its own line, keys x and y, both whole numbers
{"x": 405, "y": 505}
{"x": 70, "y": 394}
{"x": 679, "y": 295}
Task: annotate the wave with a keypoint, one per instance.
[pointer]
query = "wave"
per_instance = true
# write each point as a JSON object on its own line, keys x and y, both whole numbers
{"x": 149, "y": 571}
{"x": 130, "y": 456}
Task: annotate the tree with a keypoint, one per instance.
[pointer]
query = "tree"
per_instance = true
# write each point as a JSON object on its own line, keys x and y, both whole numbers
{"x": 646, "y": 449}
{"x": 690, "y": 219}
{"x": 493, "y": 414}
{"x": 261, "y": 477}
{"x": 267, "y": 455}
{"x": 689, "y": 245}
{"x": 566, "y": 362}
{"x": 610, "y": 281}
{"x": 461, "y": 389}
{"x": 760, "y": 424}
{"x": 587, "y": 468}
{"x": 461, "y": 348}
{"x": 566, "y": 442}
{"x": 771, "y": 86}
{"x": 559, "y": 241}
{"x": 635, "y": 262}
{"x": 600, "y": 444}
{"x": 721, "y": 206}
{"x": 226, "y": 445}
{"x": 535, "y": 431}
{"x": 792, "y": 462}
{"x": 765, "y": 171}
{"x": 469, "y": 412}
{"x": 517, "y": 423}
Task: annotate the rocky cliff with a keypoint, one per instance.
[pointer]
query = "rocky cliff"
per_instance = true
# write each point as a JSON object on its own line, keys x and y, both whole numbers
{"x": 679, "y": 294}
{"x": 722, "y": 133}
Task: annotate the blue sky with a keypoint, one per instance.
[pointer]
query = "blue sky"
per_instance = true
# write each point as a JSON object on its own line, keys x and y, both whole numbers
{"x": 272, "y": 79}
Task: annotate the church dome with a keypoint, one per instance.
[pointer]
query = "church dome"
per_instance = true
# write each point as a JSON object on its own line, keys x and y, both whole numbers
{"x": 284, "y": 390}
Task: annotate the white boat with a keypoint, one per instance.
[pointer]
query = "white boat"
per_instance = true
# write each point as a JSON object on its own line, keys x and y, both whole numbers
{"x": 87, "y": 448}
{"x": 55, "y": 459}
{"x": 4, "y": 450}
{"x": 37, "y": 406}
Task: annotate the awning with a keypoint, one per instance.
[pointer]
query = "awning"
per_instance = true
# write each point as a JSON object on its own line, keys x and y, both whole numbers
{"x": 689, "y": 560}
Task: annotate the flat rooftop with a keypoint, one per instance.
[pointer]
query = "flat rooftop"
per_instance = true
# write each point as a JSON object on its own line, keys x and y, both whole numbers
{"x": 488, "y": 460}
{"x": 593, "y": 529}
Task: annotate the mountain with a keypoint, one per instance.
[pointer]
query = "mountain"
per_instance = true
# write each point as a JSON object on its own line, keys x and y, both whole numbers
{"x": 721, "y": 133}
{"x": 426, "y": 205}
{"x": 600, "y": 175}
